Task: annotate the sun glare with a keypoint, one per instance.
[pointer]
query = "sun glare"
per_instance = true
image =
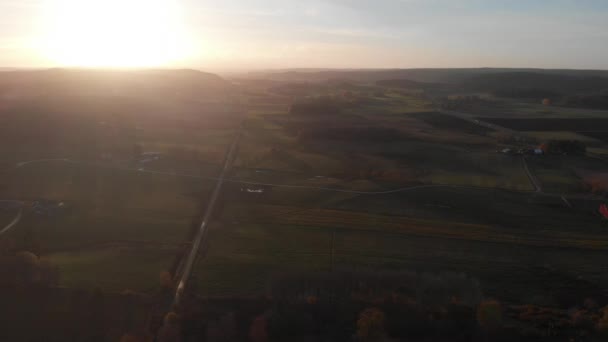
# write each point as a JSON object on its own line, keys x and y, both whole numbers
{"x": 115, "y": 33}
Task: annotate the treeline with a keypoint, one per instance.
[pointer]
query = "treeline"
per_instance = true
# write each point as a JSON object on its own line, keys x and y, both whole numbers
{"x": 570, "y": 147}
{"x": 323, "y": 106}
{"x": 526, "y": 93}
{"x": 384, "y": 307}
{"x": 323, "y": 118}
{"x": 596, "y": 100}
{"x": 462, "y": 102}
{"x": 409, "y": 84}
{"x": 54, "y": 314}
{"x": 566, "y": 90}
{"x": 352, "y": 133}
{"x": 332, "y": 105}
{"x": 536, "y": 81}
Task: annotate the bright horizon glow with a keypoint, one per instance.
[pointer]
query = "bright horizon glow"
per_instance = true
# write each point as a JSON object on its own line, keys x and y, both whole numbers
{"x": 273, "y": 34}
{"x": 114, "y": 33}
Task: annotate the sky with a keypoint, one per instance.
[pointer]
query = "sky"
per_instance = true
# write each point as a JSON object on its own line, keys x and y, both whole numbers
{"x": 264, "y": 34}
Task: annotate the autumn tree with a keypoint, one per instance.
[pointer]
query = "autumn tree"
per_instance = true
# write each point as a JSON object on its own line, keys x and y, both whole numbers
{"x": 133, "y": 337}
{"x": 573, "y": 147}
{"x": 597, "y": 184}
{"x": 602, "y": 324}
{"x": 489, "y": 315}
{"x": 258, "y": 331}
{"x": 371, "y": 325}
{"x": 166, "y": 280}
{"x": 28, "y": 264}
{"x": 170, "y": 331}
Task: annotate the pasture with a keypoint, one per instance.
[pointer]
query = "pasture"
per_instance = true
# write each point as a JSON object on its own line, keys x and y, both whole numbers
{"x": 123, "y": 216}
{"x": 551, "y": 124}
{"x": 115, "y": 267}
{"x": 254, "y": 244}
{"x": 119, "y": 228}
{"x": 469, "y": 209}
{"x": 464, "y": 207}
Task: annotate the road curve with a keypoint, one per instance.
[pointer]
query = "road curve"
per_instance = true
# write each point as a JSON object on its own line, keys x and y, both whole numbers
{"x": 535, "y": 182}
{"x": 24, "y": 163}
{"x": 202, "y": 231}
{"x": 12, "y": 223}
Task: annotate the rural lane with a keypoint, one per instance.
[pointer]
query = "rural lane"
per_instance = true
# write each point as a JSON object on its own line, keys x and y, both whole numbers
{"x": 202, "y": 231}
{"x": 14, "y": 221}
{"x": 535, "y": 182}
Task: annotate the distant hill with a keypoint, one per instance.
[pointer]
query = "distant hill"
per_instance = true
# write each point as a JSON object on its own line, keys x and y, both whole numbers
{"x": 418, "y": 75}
{"x": 557, "y": 83}
{"x": 583, "y": 90}
{"x": 109, "y": 82}
{"x": 405, "y": 83}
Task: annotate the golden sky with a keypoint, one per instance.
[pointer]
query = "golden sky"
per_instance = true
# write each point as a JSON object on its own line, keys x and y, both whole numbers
{"x": 245, "y": 34}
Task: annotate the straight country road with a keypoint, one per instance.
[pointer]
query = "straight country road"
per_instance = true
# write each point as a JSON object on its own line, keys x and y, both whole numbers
{"x": 535, "y": 182}
{"x": 202, "y": 231}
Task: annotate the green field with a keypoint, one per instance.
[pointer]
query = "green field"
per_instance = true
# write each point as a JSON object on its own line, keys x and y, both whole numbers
{"x": 114, "y": 267}
{"x": 480, "y": 215}
{"x": 119, "y": 228}
{"x": 119, "y": 225}
{"x": 564, "y": 174}
{"x": 244, "y": 258}
{"x": 462, "y": 206}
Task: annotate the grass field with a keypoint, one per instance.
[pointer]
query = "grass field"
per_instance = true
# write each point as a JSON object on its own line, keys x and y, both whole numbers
{"x": 243, "y": 258}
{"x": 84, "y": 229}
{"x": 114, "y": 267}
{"x": 511, "y": 108}
{"x": 564, "y": 174}
{"x": 596, "y": 135}
{"x": 486, "y": 221}
{"x": 123, "y": 226}
{"x": 508, "y": 271}
{"x": 445, "y": 121}
{"x": 564, "y": 135}
{"x": 120, "y": 228}
{"x": 552, "y": 124}
{"x": 109, "y": 188}
{"x": 247, "y": 252}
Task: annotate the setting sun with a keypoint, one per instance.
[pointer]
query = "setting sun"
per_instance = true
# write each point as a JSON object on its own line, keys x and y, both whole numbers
{"x": 115, "y": 33}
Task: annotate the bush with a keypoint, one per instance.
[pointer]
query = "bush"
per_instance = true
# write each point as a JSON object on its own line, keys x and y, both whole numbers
{"x": 258, "y": 331}
{"x": 166, "y": 280}
{"x": 602, "y": 324}
{"x": 370, "y": 325}
{"x": 573, "y": 147}
{"x": 489, "y": 315}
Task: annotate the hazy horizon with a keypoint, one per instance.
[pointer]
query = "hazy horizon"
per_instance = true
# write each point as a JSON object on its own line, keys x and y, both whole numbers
{"x": 320, "y": 34}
